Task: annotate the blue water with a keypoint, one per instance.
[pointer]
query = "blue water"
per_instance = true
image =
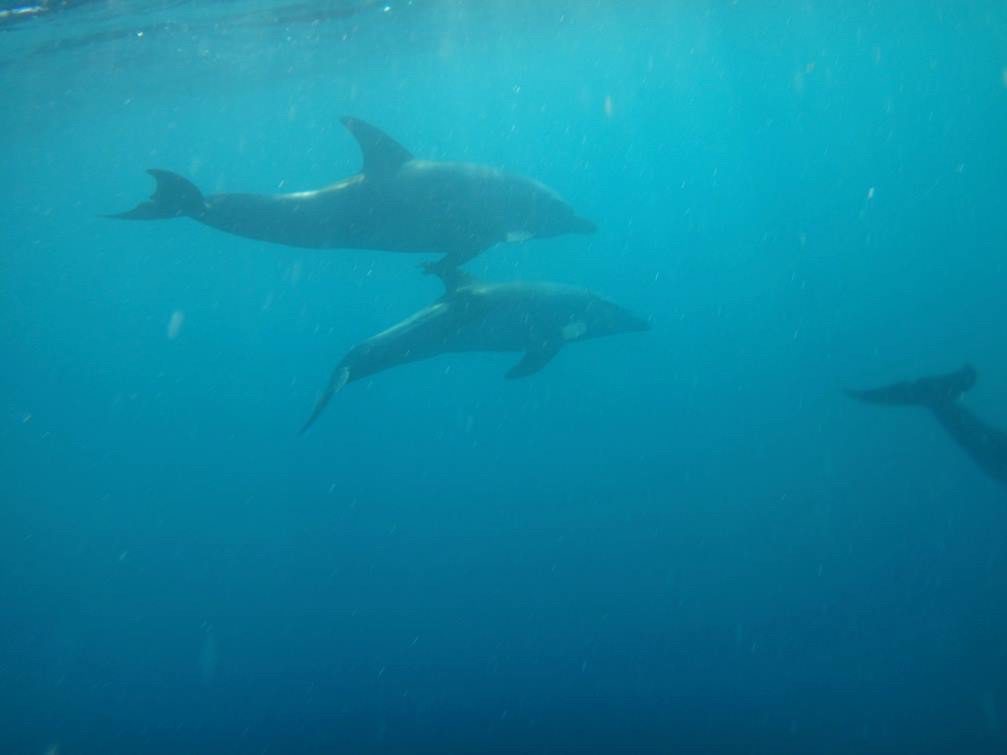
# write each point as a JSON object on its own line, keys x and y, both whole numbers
{"x": 681, "y": 541}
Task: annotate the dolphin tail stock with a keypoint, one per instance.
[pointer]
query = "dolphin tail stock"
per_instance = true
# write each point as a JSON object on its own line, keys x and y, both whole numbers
{"x": 932, "y": 392}
{"x": 174, "y": 196}
{"x": 340, "y": 378}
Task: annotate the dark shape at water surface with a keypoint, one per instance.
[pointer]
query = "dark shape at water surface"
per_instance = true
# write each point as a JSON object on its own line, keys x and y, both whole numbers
{"x": 82, "y": 24}
{"x": 538, "y": 319}
{"x": 941, "y": 394}
{"x": 396, "y": 203}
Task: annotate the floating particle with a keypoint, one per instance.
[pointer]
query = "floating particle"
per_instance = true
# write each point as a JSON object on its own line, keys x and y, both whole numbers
{"x": 175, "y": 323}
{"x": 208, "y": 657}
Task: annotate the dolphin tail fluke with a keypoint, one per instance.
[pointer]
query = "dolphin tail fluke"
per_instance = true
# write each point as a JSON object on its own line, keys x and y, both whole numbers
{"x": 173, "y": 197}
{"x": 339, "y": 378}
{"x": 933, "y": 391}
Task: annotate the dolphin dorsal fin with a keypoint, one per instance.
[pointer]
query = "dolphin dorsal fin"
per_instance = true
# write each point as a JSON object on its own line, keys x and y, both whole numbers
{"x": 382, "y": 154}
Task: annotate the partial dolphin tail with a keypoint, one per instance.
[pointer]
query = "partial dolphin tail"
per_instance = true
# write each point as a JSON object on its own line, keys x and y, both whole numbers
{"x": 932, "y": 392}
{"x": 339, "y": 378}
{"x": 173, "y": 197}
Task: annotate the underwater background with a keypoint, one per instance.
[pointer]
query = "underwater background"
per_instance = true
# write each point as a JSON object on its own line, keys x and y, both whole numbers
{"x": 687, "y": 540}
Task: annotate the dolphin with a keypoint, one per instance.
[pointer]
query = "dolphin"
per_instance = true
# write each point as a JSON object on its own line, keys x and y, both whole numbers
{"x": 396, "y": 203}
{"x": 538, "y": 319}
{"x": 941, "y": 394}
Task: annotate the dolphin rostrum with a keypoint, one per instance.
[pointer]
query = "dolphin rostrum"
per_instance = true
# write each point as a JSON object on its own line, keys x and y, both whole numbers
{"x": 941, "y": 394}
{"x": 537, "y": 319}
{"x": 396, "y": 203}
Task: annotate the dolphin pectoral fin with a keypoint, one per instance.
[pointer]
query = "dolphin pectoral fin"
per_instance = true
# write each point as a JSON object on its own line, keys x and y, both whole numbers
{"x": 447, "y": 264}
{"x": 339, "y": 379}
{"x": 452, "y": 277}
{"x": 534, "y": 360}
{"x": 382, "y": 154}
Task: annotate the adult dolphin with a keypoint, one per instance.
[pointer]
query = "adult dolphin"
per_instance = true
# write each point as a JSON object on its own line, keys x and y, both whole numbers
{"x": 538, "y": 319}
{"x": 941, "y": 394}
{"x": 396, "y": 203}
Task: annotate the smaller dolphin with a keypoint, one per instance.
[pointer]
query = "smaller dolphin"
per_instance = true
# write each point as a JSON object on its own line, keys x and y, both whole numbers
{"x": 538, "y": 319}
{"x": 397, "y": 203}
{"x": 941, "y": 394}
